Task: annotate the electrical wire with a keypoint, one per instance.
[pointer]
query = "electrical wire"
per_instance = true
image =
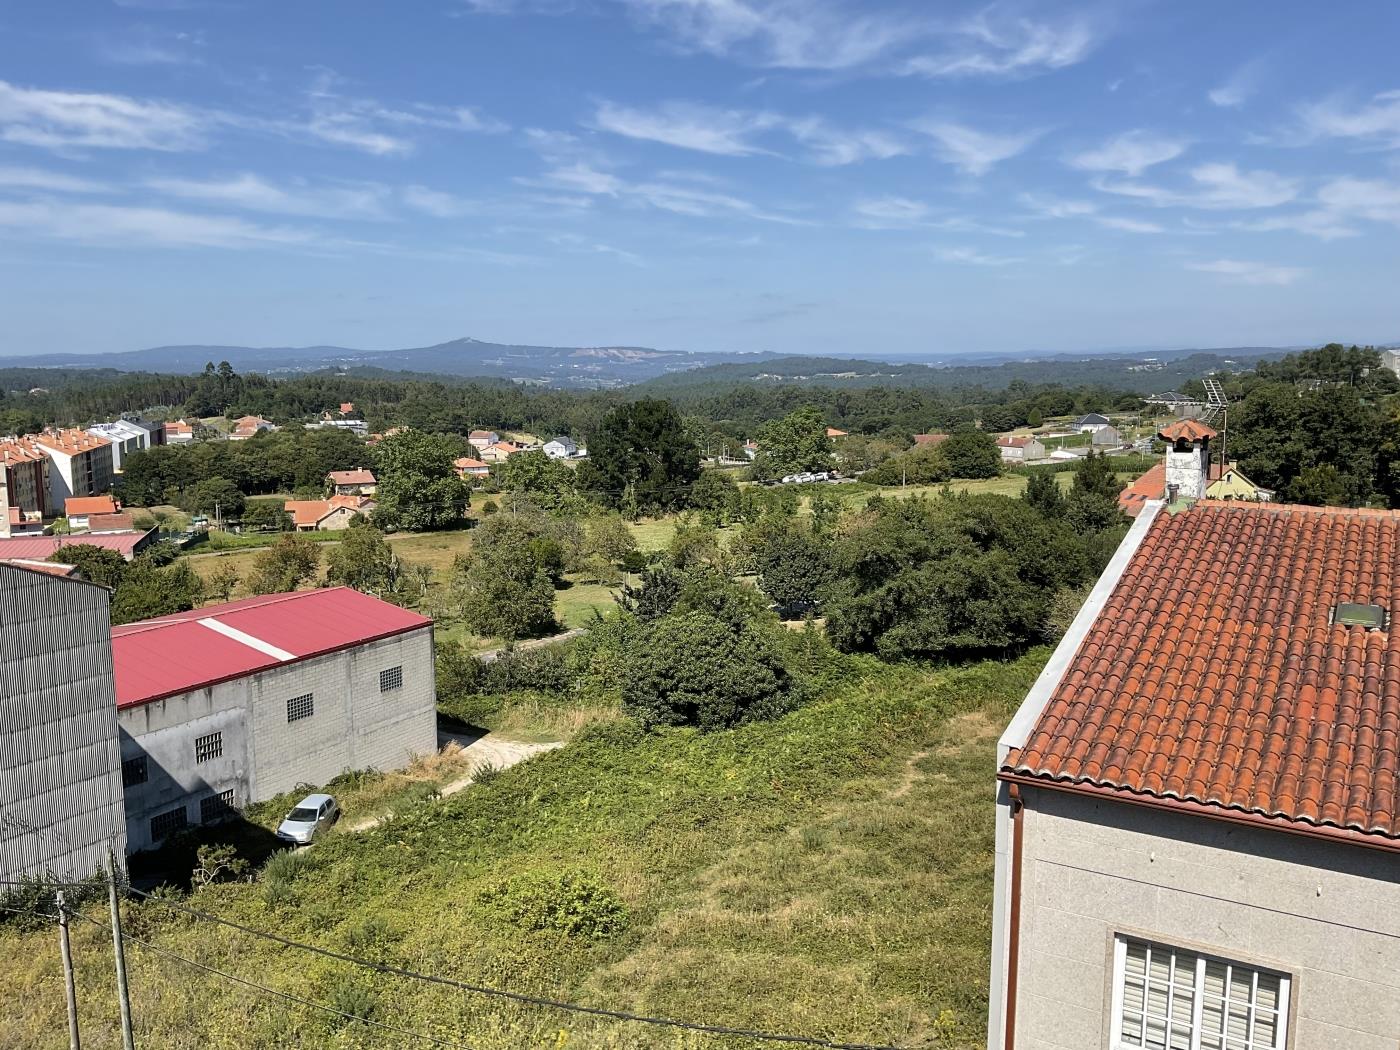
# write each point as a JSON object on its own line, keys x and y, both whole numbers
{"x": 521, "y": 997}
{"x": 128, "y": 938}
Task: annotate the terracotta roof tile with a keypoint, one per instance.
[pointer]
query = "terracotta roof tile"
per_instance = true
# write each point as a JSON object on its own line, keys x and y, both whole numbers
{"x": 1187, "y": 429}
{"x": 1214, "y": 680}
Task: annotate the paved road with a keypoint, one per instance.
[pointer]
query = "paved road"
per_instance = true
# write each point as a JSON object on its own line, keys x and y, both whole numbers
{"x": 480, "y": 750}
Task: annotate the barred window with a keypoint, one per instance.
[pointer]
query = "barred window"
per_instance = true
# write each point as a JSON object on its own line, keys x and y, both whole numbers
{"x": 299, "y": 707}
{"x": 134, "y": 771}
{"x": 1165, "y": 997}
{"x": 166, "y": 824}
{"x": 208, "y": 747}
{"x": 216, "y": 807}
{"x": 392, "y": 678}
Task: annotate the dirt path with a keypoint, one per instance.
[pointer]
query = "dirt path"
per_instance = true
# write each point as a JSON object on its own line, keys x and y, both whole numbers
{"x": 480, "y": 751}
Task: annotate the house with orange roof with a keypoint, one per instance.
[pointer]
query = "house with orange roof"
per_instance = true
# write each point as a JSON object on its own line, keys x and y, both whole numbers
{"x": 357, "y": 482}
{"x": 467, "y": 468}
{"x": 833, "y": 433}
{"x": 499, "y": 452}
{"x": 78, "y": 509}
{"x": 247, "y": 427}
{"x": 80, "y": 464}
{"x": 327, "y": 515}
{"x": 929, "y": 440}
{"x": 179, "y": 432}
{"x": 1198, "y": 802}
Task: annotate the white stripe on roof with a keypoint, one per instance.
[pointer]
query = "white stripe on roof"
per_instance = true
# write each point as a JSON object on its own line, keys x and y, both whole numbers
{"x": 266, "y": 648}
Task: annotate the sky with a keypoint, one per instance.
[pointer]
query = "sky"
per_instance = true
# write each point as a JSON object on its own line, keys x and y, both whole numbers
{"x": 803, "y": 176}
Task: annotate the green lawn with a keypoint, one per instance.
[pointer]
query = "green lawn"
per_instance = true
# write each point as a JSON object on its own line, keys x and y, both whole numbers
{"x": 828, "y": 874}
{"x": 576, "y": 604}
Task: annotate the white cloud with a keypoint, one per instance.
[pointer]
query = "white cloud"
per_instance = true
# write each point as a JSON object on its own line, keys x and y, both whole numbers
{"x": 127, "y": 226}
{"x": 1365, "y": 198}
{"x": 1216, "y": 186}
{"x": 1056, "y": 208}
{"x": 1376, "y": 122}
{"x": 1117, "y": 222}
{"x": 81, "y": 120}
{"x": 975, "y": 152}
{"x": 830, "y": 35}
{"x": 972, "y": 257}
{"x": 1239, "y": 87}
{"x": 49, "y": 181}
{"x": 581, "y": 178}
{"x": 252, "y": 193}
{"x": 891, "y": 213}
{"x": 149, "y": 46}
{"x": 438, "y": 204}
{"x": 663, "y": 195}
{"x": 1132, "y": 153}
{"x": 832, "y": 146}
{"x": 726, "y": 132}
{"x": 1237, "y": 271}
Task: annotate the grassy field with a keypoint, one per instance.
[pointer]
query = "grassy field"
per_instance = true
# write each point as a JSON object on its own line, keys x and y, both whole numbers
{"x": 828, "y": 874}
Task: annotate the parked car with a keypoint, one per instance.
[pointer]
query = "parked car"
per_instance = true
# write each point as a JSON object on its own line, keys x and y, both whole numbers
{"x": 308, "y": 819}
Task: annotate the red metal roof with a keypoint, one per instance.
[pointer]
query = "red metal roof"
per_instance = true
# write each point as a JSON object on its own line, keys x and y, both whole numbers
{"x": 170, "y": 655}
{"x": 1214, "y": 681}
{"x": 40, "y": 547}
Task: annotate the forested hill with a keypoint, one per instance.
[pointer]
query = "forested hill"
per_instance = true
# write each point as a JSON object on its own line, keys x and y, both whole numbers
{"x": 1141, "y": 374}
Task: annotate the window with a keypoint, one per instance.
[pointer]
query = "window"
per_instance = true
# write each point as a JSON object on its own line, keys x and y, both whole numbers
{"x": 166, "y": 824}
{"x": 1168, "y": 999}
{"x": 134, "y": 771}
{"x": 208, "y": 747}
{"x": 299, "y": 707}
{"x": 216, "y": 807}
{"x": 391, "y": 679}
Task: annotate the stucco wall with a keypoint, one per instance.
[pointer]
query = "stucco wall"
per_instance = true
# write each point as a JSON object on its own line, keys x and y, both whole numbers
{"x": 60, "y": 786}
{"x": 1328, "y": 915}
{"x": 353, "y": 726}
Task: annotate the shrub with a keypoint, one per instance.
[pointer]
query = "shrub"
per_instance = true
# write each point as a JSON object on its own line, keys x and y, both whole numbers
{"x": 351, "y": 996}
{"x": 574, "y": 902}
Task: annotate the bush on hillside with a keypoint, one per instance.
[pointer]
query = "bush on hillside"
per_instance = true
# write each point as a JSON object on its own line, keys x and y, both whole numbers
{"x": 574, "y": 903}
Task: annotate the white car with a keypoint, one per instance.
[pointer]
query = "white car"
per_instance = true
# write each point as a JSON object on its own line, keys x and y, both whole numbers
{"x": 308, "y": 819}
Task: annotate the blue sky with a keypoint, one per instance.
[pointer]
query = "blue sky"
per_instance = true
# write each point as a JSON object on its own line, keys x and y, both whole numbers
{"x": 828, "y": 176}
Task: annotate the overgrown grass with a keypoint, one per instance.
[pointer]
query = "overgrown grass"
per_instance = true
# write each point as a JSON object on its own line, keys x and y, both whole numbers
{"x": 828, "y": 874}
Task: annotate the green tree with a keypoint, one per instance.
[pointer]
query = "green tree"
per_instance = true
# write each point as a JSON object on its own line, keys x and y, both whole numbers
{"x": 825, "y": 506}
{"x": 418, "y": 486}
{"x": 364, "y": 560}
{"x": 922, "y": 465}
{"x": 1043, "y": 493}
{"x": 95, "y": 564}
{"x": 221, "y": 582}
{"x": 548, "y": 482}
{"x": 794, "y": 564}
{"x": 147, "y": 590}
{"x": 793, "y": 444}
{"x": 503, "y": 592}
{"x": 716, "y": 496}
{"x": 640, "y": 458}
{"x": 1092, "y": 503}
{"x": 284, "y": 566}
{"x": 216, "y": 495}
{"x": 971, "y": 453}
{"x": 610, "y": 539}
{"x": 265, "y": 514}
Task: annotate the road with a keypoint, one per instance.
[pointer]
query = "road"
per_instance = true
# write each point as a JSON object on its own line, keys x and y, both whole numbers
{"x": 480, "y": 750}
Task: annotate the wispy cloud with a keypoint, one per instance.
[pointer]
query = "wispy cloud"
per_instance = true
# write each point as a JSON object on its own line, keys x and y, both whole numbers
{"x": 1056, "y": 207}
{"x": 47, "y": 181}
{"x": 669, "y": 196}
{"x": 973, "y": 257}
{"x": 1375, "y": 122}
{"x": 1239, "y": 87}
{"x": 253, "y": 193}
{"x": 438, "y": 204}
{"x": 902, "y": 213}
{"x": 1238, "y": 271}
{"x": 1214, "y": 186}
{"x": 149, "y": 46}
{"x": 145, "y": 226}
{"x": 84, "y": 120}
{"x": 973, "y": 151}
{"x": 1118, "y": 222}
{"x": 1132, "y": 153}
{"x": 849, "y": 37}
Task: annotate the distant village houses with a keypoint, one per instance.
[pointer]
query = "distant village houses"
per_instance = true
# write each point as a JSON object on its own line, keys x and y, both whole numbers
{"x": 1020, "y": 449}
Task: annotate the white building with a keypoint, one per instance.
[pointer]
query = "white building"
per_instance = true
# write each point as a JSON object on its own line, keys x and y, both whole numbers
{"x": 1198, "y": 837}
{"x": 562, "y": 448}
{"x": 127, "y": 436}
{"x": 60, "y": 783}
{"x": 239, "y": 702}
{"x": 1020, "y": 449}
{"x": 80, "y": 464}
{"x": 482, "y": 439}
{"x": 1091, "y": 424}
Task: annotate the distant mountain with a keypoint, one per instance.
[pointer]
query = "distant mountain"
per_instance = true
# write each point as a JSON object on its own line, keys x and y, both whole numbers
{"x": 560, "y": 366}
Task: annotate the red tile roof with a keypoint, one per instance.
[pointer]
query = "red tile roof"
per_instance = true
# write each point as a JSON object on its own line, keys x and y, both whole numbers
{"x": 120, "y": 521}
{"x": 70, "y": 442}
{"x": 352, "y": 477}
{"x": 1188, "y": 429}
{"x": 164, "y": 657}
{"x": 1213, "y": 680}
{"x": 1014, "y": 442}
{"x": 82, "y": 505}
{"x": 832, "y": 432}
{"x": 1152, "y": 485}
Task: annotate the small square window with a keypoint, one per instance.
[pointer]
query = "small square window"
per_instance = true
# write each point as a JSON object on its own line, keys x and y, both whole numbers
{"x": 299, "y": 707}
{"x": 208, "y": 747}
{"x": 216, "y": 807}
{"x": 134, "y": 771}
{"x": 163, "y": 825}
{"x": 391, "y": 678}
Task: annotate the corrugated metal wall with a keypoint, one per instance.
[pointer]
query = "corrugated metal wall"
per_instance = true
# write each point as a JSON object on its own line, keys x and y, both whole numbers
{"x": 60, "y": 768}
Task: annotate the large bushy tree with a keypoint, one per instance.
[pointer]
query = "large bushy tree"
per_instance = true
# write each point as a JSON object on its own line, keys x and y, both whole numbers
{"x": 418, "y": 485}
{"x": 640, "y": 459}
{"x": 793, "y": 444}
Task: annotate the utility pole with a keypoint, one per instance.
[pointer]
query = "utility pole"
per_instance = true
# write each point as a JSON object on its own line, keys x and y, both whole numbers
{"x": 218, "y": 517}
{"x": 123, "y": 995}
{"x": 74, "y": 1043}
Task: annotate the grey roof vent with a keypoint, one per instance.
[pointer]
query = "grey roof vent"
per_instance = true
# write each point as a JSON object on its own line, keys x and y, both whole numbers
{"x": 1352, "y": 614}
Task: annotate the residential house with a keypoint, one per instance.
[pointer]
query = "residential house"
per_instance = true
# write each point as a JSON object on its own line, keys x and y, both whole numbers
{"x": 346, "y": 407}
{"x": 327, "y": 515}
{"x": 246, "y": 427}
{"x": 561, "y": 448}
{"x": 482, "y": 439}
{"x": 467, "y": 467}
{"x": 77, "y": 509}
{"x": 20, "y": 522}
{"x": 1091, "y": 424}
{"x": 833, "y": 433}
{"x": 236, "y": 703}
{"x": 1020, "y": 449}
{"x": 357, "y": 482}
{"x": 499, "y": 452}
{"x": 929, "y": 440}
{"x": 60, "y": 771}
{"x": 179, "y": 432}
{"x": 80, "y": 464}
{"x": 24, "y": 474}
{"x": 1152, "y": 485}
{"x": 1231, "y": 484}
{"x": 1105, "y": 437}
{"x": 1197, "y": 834}
{"x": 120, "y": 521}
{"x": 750, "y": 449}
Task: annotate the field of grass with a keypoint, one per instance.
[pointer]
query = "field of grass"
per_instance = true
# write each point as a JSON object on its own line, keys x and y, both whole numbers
{"x": 575, "y": 605}
{"x": 828, "y": 874}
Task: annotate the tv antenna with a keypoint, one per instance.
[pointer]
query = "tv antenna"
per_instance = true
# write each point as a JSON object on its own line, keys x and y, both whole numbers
{"x": 1217, "y": 407}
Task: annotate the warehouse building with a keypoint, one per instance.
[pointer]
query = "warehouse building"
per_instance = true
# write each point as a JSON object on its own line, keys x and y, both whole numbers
{"x": 60, "y": 783}
{"x": 239, "y": 702}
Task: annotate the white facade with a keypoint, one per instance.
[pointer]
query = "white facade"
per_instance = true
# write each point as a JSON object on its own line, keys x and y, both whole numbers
{"x": 1187, "y": 469}
{"x": 60, "y": 785}
{"x": 561, "y": 448}
{"x": 267, "y": 743}
{"x": 125, "y": 437}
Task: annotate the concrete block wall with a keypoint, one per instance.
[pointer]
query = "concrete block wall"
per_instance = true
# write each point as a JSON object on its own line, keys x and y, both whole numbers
{"x": 1326, "y": 914}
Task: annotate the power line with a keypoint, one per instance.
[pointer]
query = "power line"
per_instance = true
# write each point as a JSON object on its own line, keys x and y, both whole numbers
{"x": 274, "y": 992}
{"x": 521, "y": 997}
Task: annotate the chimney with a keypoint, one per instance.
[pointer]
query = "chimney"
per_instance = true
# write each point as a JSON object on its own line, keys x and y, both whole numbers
{"x": 1188, "y": 459}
